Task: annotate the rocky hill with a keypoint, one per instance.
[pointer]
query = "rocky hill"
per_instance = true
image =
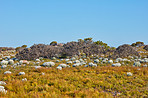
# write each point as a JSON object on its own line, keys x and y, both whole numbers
{"x": 146, "y": 47}
{"x": 125, "y": 51}
{"x": 86, "y": 47}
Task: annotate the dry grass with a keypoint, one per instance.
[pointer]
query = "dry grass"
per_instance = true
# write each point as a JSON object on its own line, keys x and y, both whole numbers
{"x": 101, "y": 81}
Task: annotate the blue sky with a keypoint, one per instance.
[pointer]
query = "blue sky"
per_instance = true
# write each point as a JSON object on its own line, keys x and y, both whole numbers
{"x": 115, "y": 22}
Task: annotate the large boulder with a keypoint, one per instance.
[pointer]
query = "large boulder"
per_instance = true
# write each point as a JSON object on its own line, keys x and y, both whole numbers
{"x": 146, "y": 47}
{"x": 124, "y": 51}
{"x": 39, "y": 50}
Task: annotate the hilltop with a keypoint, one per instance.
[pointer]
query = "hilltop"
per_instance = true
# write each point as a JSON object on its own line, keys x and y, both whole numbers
{"x": 84, "y": 47}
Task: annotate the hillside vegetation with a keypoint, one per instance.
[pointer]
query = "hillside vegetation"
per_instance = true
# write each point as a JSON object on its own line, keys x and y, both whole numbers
{"x": 83, "y": 69}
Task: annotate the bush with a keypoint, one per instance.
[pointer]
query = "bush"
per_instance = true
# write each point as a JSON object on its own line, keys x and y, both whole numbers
{"x": 88, "y": 40}
{"x": 133, "y": 44}
{"x": 17, "y": 48}
{"x": 101, "y": 43}
{"x": 53, "y": 43}
{"x": 3, "y": 49}
{"x": 24, "y": 46}
{"x": 137, "y": 44}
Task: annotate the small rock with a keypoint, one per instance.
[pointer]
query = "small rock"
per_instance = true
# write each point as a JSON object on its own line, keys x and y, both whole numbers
{"x": 137, "y": 64}
{"x": 69, "y": 62}
{"x": 59, "y": 68}
{"x": 138, "y": 69}
{"x": 2, "y": 89}
{"x": 145, "y": 65}
{"x": 3, "y": 66}
{"x": 43, "y": 73}
{"x": 63, "y": 65}
{"x": 129, "y": 74}
{"x": 96, "y": 61}
{"x": 86, "y": 66}
{"x": 7, "y": 72}
{"x": 37, "y": 60}
{"x": 11, "y": 62}
{"x": 110, "y": 61}
{"x": 48, "y": 64}
{"x": 36, "y": 67}
{"x": 2, "y": 83}
{"x": 24, "y": 79}
{"x": 21, "y": 73}
{"x": 116, "y": 64}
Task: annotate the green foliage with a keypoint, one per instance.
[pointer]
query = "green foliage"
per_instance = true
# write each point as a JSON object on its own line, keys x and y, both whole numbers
{"x": 24, "y": 46}
{"x": 88, "y": 39}
{"x": 3, "y": 49}
{"x": 137, "y": 43}
{"x": 53, "y": 43}
{"x": 113, "y": 48}
{"x": 102, "y": 44}
{"x": 103, "y": 81}
{"x": 80, "y": 40}
{"x": 133, "y": 44}
{"x": 63, "y": 56}
{"x": 50, "y": 84}
{"x": 17, "y": 48}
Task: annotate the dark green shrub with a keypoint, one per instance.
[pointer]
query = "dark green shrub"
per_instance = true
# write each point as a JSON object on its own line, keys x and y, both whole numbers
{"x": 24, "y": 46}
{"x": 17, "y": 48}
{"x": 53, "y": 43}
{"x": 3, "y": 49}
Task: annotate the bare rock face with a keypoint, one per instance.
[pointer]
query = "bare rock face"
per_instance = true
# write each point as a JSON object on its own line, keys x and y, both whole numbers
{"x": 74, "y": 48}
{"x": 69, "y": 49}
{"x": 146, "y": 47}
{"x": 39, "y": 50}
{"x": 124, "y": 51}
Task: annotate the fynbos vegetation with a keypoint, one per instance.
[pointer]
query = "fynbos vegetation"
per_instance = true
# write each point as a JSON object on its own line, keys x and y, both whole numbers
{"x": 83, "y": 69}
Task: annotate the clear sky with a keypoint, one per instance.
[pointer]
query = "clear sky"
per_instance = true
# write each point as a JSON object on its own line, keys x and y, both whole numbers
{"x": 115, "y": 22}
